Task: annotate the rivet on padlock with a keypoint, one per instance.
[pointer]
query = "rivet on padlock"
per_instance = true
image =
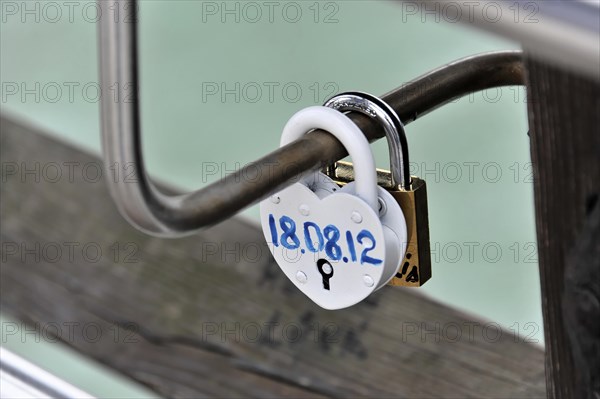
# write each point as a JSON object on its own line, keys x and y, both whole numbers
{"x": 332, "y": 242}
{"x": 409, "y": 192}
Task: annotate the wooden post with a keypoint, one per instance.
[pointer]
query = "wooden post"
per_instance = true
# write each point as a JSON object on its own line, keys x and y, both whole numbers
{"x": 564, "y": 120}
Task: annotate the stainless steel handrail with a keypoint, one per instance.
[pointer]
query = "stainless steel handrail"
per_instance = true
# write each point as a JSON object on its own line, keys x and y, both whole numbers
{"x": 157, "y": 213}
{"x": 564, "y": 33}
{"x": 23, "y": 379}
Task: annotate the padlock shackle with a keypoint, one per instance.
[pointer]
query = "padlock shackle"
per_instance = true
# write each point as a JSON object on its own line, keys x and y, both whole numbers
{"x": 351, "y": 137}
{"x": 373, "y": 107}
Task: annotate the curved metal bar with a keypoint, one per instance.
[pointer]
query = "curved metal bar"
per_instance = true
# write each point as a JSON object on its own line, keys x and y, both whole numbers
{"x": 157, "y": 213}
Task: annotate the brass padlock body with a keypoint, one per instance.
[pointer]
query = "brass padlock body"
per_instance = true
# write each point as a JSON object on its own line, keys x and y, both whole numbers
{"x": 415, "y": 269}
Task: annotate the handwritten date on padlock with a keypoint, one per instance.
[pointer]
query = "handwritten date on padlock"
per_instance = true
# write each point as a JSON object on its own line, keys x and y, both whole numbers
{"x": 328, "y": 239}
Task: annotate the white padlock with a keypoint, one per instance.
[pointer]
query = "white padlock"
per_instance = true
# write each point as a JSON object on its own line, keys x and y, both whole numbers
{"x": 337, "y": 245}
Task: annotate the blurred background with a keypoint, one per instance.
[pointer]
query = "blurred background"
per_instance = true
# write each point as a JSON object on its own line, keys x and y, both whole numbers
{"x": 219, "y": 81}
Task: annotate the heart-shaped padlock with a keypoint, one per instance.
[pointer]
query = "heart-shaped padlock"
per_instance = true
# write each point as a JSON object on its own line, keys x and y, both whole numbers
{"x": 337, "y": 245}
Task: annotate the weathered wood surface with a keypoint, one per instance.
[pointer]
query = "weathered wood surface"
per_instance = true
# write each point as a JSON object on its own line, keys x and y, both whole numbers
{"x": 564, "y": 120}
{"x": 167, "y": 313}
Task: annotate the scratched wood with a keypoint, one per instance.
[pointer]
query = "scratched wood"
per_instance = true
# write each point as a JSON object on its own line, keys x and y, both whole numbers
{"x": 211, "y": 315}
{"x": 564, "y": 120}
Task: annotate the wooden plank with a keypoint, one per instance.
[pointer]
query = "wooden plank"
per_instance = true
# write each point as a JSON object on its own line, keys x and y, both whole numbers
{"x": 167, "y": 314}
{"x": 564, "y": 119}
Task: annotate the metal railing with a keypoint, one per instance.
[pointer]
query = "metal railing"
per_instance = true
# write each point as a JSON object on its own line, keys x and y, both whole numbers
{"x": 157, "y": 213}
{"x": 22, "y": 379}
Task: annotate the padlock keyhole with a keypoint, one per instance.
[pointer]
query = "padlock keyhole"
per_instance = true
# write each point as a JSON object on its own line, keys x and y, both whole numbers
{"x": 326, "y": 271}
